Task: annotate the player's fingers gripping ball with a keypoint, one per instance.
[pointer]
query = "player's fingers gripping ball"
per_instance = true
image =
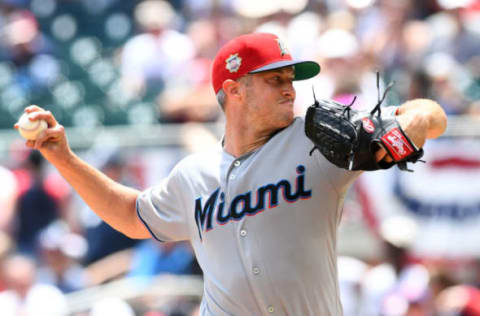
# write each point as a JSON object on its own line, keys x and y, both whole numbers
{"x": 30, "y": 129}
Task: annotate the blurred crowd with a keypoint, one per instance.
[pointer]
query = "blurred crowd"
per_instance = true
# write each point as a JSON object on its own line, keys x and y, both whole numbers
{"x": 52, "y": 245}
{"x": 111, "y": 62}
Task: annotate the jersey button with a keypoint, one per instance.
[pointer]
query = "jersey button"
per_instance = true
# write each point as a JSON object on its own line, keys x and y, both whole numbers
{"x": 256, "y": 270}
{"x": 236, "y": 163}
{"x": 232, "y": 177}
{"x": 243, "y": 233}
{"x": 271, "y": 309}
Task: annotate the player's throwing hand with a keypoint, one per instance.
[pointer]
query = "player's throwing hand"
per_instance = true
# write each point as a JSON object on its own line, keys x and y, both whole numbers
{"x": 52, "y": 142}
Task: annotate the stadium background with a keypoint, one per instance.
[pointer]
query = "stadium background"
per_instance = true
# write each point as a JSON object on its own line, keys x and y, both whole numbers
{"x": 130, "y": 81}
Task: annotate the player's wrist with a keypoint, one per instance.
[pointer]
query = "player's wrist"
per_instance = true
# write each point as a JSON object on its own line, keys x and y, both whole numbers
{"x": 61, "y": 158}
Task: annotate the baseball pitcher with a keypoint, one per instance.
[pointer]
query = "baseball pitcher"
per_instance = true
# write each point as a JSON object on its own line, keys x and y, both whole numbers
{"x": 262, "y": 210}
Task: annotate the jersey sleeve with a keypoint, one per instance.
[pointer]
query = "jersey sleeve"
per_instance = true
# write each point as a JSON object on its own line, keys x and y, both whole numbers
{"x": 162, "y": 211}
{"x": 339, "y": 178}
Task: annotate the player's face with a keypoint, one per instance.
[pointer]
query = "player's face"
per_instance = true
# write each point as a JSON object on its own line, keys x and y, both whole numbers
{"x": 270, "y": 96}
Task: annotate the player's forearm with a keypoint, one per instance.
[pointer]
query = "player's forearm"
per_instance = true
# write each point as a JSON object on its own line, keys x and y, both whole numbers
{"x": 430, "y": 111}
{"x": 113, "y": 202}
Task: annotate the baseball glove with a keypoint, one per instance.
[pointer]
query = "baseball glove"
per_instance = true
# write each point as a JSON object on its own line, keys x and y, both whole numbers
{"x": 349, "y": 138}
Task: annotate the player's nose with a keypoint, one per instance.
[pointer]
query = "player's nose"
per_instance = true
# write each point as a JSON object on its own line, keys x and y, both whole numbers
{"x": 288, "y": 90}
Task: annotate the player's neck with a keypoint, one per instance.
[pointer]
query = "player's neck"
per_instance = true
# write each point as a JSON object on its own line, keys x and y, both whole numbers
{"x": 240, "y": 140}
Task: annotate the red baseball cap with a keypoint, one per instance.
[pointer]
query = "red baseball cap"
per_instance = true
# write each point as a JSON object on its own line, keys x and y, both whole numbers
{"x": 256, "y": 52}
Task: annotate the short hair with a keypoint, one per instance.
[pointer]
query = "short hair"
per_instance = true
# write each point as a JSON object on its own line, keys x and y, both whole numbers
{"x": 221, "y": 96}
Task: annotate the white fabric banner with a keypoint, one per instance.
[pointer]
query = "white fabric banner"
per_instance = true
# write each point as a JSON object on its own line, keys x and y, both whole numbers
{"x": 436, "y": 209}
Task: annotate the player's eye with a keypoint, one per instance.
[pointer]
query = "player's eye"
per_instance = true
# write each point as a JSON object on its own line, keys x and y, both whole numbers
{"x": 275, "y": 79}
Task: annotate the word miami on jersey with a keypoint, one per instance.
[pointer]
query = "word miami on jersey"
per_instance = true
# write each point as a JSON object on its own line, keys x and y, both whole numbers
{"x": 241, "y": 205}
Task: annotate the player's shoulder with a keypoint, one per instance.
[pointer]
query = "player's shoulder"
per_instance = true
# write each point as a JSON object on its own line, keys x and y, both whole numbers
{"x": 297, "y": 128}
{"x": 298, "y": 122}
{"x": 200, "y": 160}
{"x": 297, "y": 125}
{"x": 292, "y": 135}
{"x": 292, "y": 138}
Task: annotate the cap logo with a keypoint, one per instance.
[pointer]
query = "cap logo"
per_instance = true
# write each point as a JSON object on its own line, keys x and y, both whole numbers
{"x": 233, "y": 63}
{"x": 283, "y": 47}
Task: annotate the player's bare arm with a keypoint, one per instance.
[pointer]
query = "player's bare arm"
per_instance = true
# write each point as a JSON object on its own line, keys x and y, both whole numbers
{"x": 426, "y": 110}
{"x": 113, "y": 202}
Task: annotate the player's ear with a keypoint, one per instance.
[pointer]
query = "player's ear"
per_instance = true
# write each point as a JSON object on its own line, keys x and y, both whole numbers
{"x": 231, "y": 88}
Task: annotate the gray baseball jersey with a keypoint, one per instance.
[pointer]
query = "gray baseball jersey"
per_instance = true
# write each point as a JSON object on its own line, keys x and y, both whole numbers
{"x": 263, "y": 226}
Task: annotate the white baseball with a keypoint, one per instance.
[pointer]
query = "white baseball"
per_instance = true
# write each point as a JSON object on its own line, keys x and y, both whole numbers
{"x": 30, "y": 129}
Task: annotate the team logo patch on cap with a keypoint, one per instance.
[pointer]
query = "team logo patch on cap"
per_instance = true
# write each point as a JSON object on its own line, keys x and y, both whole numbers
{"x": 233, "y": 63}
{"x": 283, "y": 47}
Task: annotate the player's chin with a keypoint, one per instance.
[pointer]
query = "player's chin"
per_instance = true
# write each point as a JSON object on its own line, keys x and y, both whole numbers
{"x": 286, "y": 119}
{"x": 285, "y": 112}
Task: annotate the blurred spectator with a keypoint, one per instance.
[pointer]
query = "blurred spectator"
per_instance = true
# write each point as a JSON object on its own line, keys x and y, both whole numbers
{"x": 440, "y": 280}
{"x": 61, "y": 252}
{"x": 189, "y": 97}
{"x": 22, "y": 37}
{"x": 8, "y": 195}
{"x": 383, "y": 37}
{"x": 444, "y": 73}
{"x": 111, "y": 306}
{"x": 395, "y": 286}
{"x": 23, "y": 295}
{"x": 196, "y": 311}
{"x": 151, "y": 257}
{"x": 168, "y": 61}
{"x": 350, "y": 273}
{"x": 29, "y": 50}
{"x": 339, "y": 51}
{"x": 346, "y": 73}
{"x": 35, "y": 208}
{"x": 6, "y": 247}
{"x": 102, "y": 239}
{"x": 460, "y": 300}
{"x": 158, "y": 54}
{"x": 460, "y": 41}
